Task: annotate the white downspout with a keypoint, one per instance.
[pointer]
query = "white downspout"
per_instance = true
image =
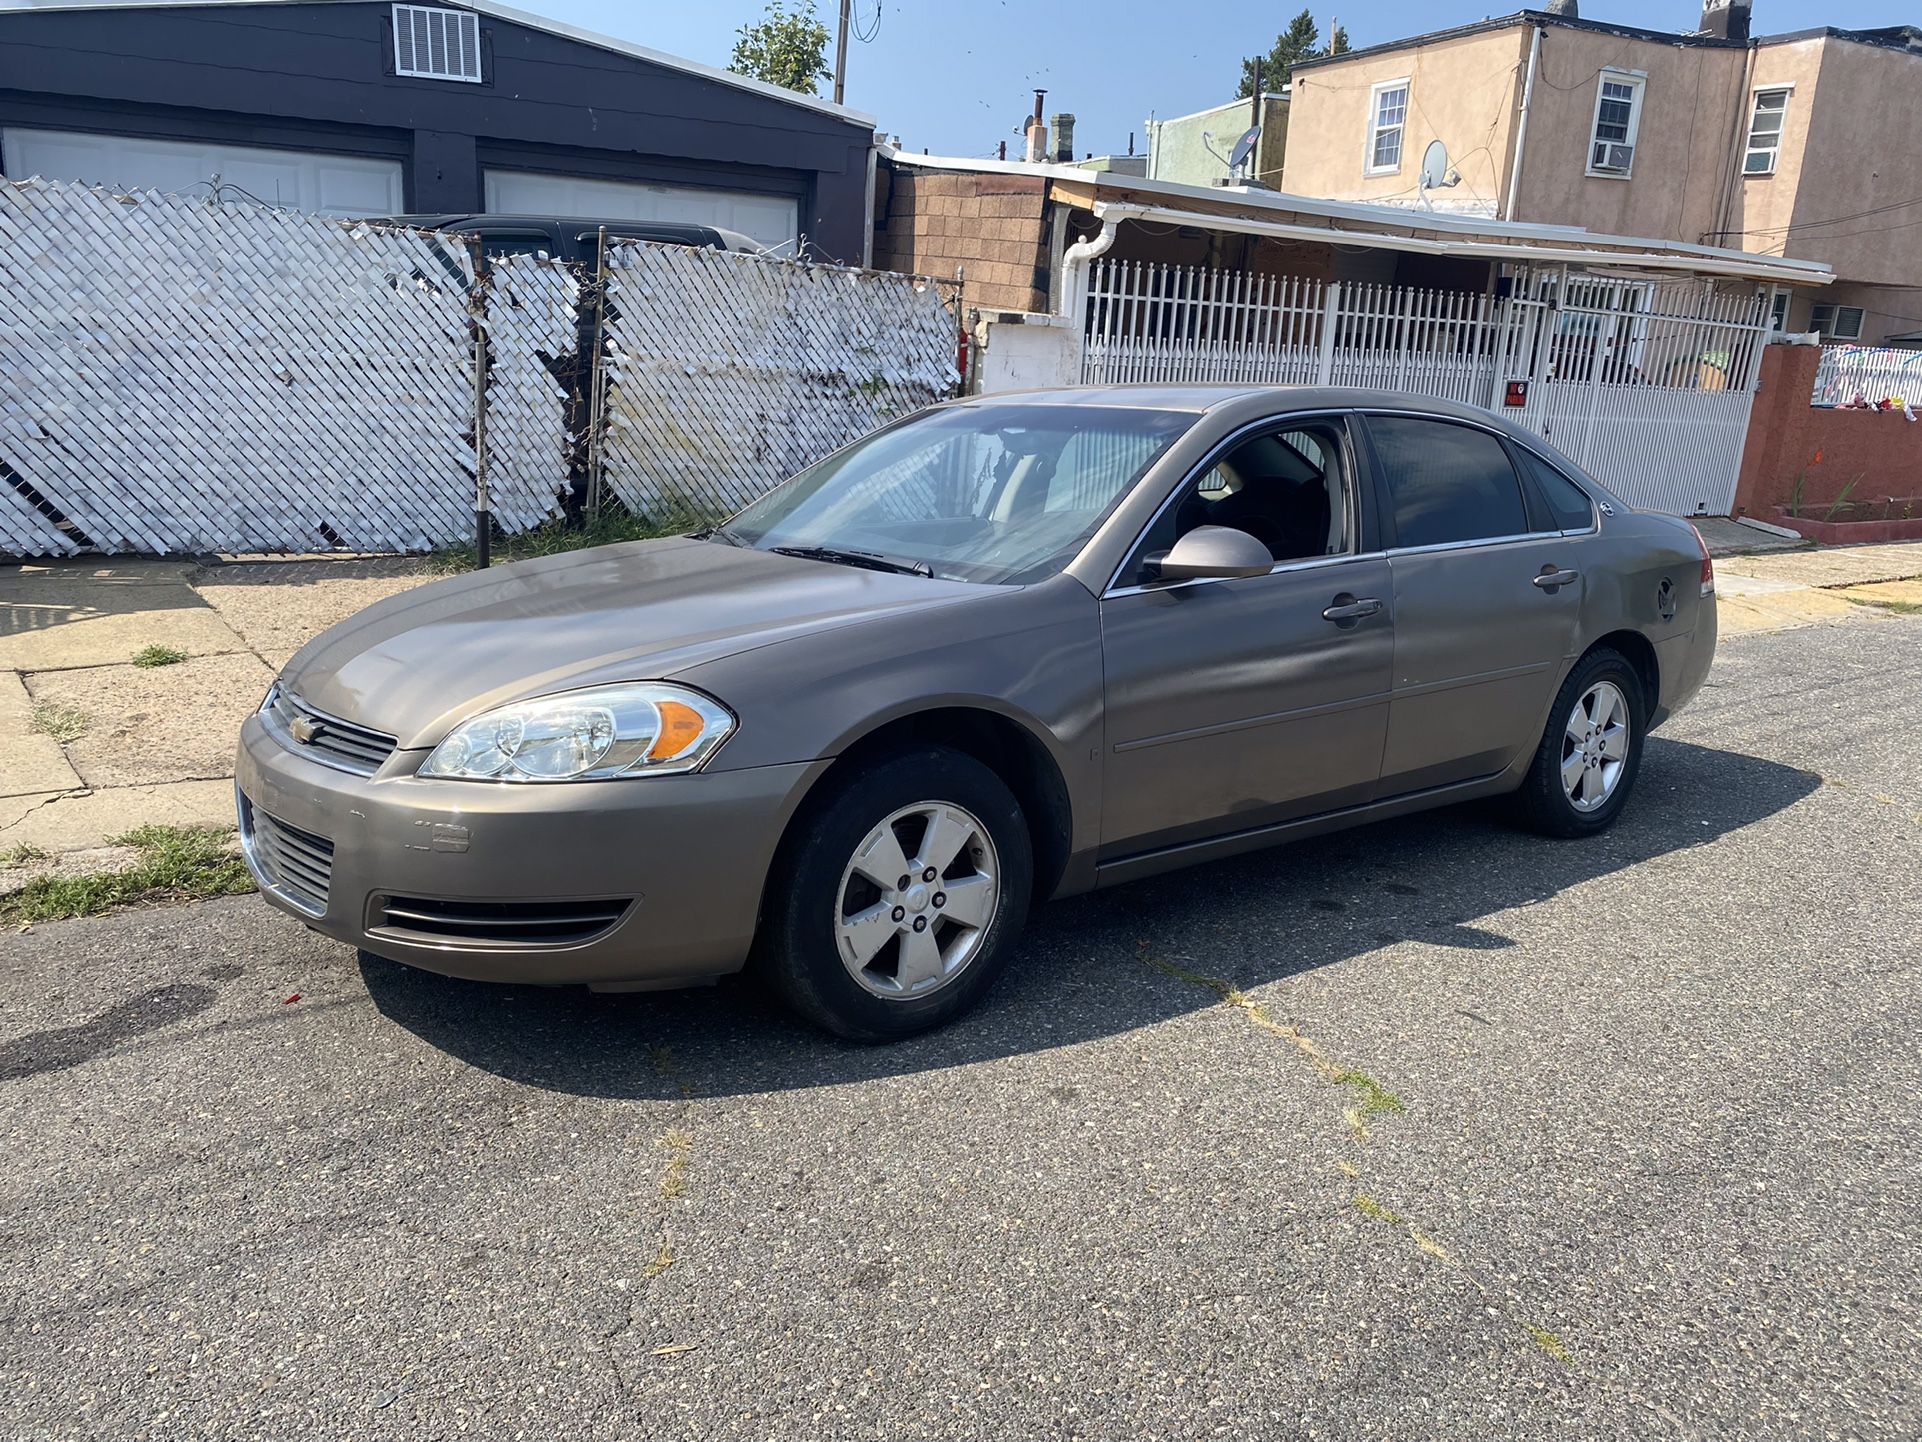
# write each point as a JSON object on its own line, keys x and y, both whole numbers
{"x": 1074, "y": 295}
{"x": 1521, "y": 125}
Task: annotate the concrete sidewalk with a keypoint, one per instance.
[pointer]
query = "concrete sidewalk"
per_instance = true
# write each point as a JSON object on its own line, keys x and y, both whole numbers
{"x": 93, "y": 745}
{"x": 1841, "y": 585}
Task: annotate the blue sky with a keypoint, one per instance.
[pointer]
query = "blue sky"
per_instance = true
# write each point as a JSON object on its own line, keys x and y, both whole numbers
{"x": 956, "y": 76}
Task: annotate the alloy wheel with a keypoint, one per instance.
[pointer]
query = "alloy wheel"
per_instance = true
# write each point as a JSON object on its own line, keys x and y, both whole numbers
{"x": 916, "y": 900}
{"x": 1595, "y": 746}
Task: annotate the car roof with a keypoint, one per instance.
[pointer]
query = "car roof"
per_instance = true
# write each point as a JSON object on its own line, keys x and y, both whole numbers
{"x": 671, "y": 230}
{"x": 1200, "y": 398}
{"x": 1251, "y": 403}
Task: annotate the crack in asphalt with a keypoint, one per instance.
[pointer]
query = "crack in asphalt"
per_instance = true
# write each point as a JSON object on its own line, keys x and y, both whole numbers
{"x": 1376, "y": 1100}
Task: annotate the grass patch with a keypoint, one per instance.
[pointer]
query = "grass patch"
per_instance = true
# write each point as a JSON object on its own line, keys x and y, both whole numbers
{"x": 175, "y": 863}
{"x": 556, "y": 537}
{"x": 1551, "y": 1344}
{"x": 663, "y": 1259}
{"x": 148, "y": 657}
{"x": 22, "y": 854}
{"x": 1893, "y": 607}
{"x": 1369, "y": 1207}
{"x": 677, "y": 1144}
{"x": 63, "y": 723}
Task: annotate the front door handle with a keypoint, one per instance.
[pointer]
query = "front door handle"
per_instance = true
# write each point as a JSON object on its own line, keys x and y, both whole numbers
{"x": 1349, "y": 609}
{"x": 1550, "y": 579}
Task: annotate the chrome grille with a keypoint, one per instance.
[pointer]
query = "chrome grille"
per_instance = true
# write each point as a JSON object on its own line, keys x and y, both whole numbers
{"x": 328, "y": 739}
{"x": 296, "y": 863}
{"x": 497, "y": 923}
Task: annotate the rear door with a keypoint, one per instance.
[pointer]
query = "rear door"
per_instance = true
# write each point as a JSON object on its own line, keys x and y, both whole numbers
{"x": 1487, "y": 602}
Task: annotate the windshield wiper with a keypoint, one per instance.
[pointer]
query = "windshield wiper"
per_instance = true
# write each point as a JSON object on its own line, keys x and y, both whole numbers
{"x": 871, "y": 560}
{"x": 717, "y": 533}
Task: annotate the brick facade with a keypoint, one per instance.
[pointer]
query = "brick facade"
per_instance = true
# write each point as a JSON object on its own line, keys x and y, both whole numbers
{"x": 1871, "y": 454}
{"x": 994, "y": 228}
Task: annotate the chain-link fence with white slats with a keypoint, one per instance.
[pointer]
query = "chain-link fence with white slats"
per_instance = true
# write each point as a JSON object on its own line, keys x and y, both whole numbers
{"x": 180, "y": 377}
{"x": 727, "y": 374}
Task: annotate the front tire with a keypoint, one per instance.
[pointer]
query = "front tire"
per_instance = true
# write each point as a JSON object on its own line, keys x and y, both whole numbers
{"x": 1591, "y": 751}
{"x": 896, "y": 903}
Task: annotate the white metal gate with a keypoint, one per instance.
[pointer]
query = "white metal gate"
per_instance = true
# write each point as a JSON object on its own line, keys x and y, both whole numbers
{"x": 1647, "y": 384}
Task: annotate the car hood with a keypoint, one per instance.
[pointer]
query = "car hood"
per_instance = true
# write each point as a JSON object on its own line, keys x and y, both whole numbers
{"x": 416, "y": 664}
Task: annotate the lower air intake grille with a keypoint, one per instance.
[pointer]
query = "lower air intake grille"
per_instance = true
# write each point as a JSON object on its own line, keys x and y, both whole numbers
{"x": 497, "y": 923}
{"x": 296, "y": 863}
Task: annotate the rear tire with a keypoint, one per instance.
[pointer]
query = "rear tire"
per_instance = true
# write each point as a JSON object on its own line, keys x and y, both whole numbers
{"x": 858, "y": 937}
{"x": 1590, "y": 752}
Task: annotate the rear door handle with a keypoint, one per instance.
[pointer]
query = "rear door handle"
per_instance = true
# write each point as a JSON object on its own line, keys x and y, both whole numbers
{"x": 1348, "y": 608}
{"x": 1549, "y": 580}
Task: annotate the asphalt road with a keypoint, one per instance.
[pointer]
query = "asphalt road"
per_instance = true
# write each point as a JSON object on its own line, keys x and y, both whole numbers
{"x": 1654, "y": 1171}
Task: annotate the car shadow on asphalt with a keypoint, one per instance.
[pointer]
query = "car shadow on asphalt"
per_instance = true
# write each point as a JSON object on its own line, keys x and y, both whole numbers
{"x": 1079, "y": 972}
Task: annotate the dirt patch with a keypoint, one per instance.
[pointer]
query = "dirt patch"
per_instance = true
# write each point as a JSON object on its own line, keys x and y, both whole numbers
{"x": 278, "y": 606}
{"x": 170, "y": 723}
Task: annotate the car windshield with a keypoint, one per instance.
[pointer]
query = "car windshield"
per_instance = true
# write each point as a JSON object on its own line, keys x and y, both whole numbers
{"x": 995, "y": 493}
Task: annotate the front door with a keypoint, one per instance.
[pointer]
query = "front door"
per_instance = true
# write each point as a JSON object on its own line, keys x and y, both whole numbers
{"x": 1487, "y": 604}
{"x": 1233, "y": 704}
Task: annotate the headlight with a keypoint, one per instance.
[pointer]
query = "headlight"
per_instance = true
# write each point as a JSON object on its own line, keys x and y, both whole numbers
{"x": 647, "y": 729}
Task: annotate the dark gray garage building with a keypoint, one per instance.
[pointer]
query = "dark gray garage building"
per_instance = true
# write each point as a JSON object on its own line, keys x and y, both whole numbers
{"x": 372, "y": 109}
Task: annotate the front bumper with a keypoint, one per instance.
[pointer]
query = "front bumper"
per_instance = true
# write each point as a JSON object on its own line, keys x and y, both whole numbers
{"x": 688, "y": 855}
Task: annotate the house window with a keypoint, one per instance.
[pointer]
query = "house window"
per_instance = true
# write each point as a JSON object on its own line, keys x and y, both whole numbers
{"x": 1837, "y": 322}
{"x": 1765, "y": 131}
{"x": 1779, "y": 311}
{"x": 437, "y": 44}
{"x": 1618, "y": 114}
{"x": 1388, "y": 113}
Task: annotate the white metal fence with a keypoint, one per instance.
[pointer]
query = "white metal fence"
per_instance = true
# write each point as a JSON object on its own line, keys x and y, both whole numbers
{"x": 1648, "y": 385}
{"x": 1873, "y": 373}
{"x": 179, "y": 377}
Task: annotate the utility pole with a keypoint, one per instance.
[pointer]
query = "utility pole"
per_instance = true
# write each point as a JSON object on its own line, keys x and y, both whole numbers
{"x": 841, "y": 53}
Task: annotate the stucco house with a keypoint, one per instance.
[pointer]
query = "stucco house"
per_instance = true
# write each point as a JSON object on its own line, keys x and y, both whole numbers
{"x": 1805, "y": 145}
{"x": 461, "y": 106}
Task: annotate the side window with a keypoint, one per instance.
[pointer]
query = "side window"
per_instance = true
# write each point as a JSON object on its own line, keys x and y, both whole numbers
{"x": 1446, "y": 482}
{"x": 1568, "y": 504}
{"x": 1289, "y": 489}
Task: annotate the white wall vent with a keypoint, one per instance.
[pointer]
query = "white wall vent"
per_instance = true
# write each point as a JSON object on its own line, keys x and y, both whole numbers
{"x": 437, "y": 44}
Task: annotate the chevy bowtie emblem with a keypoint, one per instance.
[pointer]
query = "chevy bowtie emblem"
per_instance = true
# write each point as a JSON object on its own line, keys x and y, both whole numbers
{"x": 305, "y": 729}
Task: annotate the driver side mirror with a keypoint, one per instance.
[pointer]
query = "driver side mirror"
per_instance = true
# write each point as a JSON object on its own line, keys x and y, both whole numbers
{"x": 1215, "y": 553}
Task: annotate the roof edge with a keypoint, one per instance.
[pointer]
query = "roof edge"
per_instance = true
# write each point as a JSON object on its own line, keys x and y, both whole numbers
{"x": 1260, "y": 204}
{"x": 506, "y": 13}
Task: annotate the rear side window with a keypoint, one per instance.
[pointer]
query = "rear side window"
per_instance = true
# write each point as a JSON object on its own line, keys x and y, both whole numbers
{"x": 1446, "y": 482}
{"x": 1568, "y": 505}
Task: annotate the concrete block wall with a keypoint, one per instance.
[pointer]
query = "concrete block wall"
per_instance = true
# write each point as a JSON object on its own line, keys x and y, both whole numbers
{"x": 994, "y": 227}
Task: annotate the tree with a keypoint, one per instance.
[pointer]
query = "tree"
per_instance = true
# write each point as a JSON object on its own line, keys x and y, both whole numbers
{"x": 1300, "y": 41}
{"x": 787, "y": 47}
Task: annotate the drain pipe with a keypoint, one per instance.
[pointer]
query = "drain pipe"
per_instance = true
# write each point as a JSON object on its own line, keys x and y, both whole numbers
{"x": 1521, "y": 125}
{"x": 1074, "y": 298}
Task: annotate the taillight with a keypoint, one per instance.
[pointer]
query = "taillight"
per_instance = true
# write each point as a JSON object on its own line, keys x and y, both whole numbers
{"x": 1708, "y": 565}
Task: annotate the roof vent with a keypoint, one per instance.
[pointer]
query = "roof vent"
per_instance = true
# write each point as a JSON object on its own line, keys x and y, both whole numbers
{"x": 437, "y": 44}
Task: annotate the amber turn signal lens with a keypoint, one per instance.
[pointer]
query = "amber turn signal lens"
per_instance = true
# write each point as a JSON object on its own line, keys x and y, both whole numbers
{"x": 681, "y": 727}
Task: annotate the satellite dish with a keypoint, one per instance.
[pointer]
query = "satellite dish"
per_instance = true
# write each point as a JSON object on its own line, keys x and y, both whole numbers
{"x": 1434, "y": 166}
{"x": 1244, "y": 147}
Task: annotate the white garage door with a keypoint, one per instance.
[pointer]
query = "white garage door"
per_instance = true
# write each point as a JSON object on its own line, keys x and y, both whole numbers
{"x": 770, "y": 219}
{"x": 300, "y": 179}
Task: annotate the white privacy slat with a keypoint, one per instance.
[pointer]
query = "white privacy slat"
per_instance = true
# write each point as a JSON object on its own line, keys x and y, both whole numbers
{"x": 177, "y": 376}
{"x": 727, "y": 373}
